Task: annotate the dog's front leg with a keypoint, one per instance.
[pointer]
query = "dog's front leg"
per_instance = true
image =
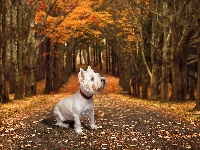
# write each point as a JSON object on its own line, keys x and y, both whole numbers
{"x": 77, "y": 125}
{"x": 92, "y": 123}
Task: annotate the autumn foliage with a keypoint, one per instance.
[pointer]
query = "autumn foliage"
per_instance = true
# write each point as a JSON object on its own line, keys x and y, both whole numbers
{"x": 72, "y": 19}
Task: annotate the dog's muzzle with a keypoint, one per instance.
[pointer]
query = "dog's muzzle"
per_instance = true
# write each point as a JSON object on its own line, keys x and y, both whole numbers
{"x": 103, "y": 81}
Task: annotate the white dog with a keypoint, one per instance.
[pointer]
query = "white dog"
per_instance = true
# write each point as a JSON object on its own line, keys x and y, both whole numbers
{"x": 81, "y": 103}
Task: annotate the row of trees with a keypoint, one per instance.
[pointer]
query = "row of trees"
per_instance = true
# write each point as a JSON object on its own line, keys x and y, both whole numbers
{"x": 169, "y": 33}
{"x": 160, "y": 57}
{"x": 39, "y": 39}
{"x": 165, "y": 57}
{"x": 172, "y": 44}
{"x": 152, "y": 43}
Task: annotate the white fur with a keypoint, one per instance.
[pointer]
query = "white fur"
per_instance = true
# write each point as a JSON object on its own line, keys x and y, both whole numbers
{"x": 76, "y": 106}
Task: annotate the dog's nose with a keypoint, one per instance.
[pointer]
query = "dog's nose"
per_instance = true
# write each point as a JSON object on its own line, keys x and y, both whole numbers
{"x": 103, "y": 80}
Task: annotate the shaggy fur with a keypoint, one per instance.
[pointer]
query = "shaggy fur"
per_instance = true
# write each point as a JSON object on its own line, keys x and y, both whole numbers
{"x": 81, "y": 103}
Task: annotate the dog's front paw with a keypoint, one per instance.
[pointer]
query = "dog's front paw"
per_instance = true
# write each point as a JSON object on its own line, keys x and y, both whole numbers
{"x": 78, "y": 130}
{"x": 63, "y": 125}
{"x": 94, "y": 126}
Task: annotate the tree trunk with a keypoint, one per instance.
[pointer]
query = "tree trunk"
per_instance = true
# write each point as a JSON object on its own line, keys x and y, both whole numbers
{"x": 165, "y": 70}
{"x": 62, "y": 63}
{"x": 57, "y": 82}
{"x": 165, "y": 74}
{"x": 155, "y": 76}
{"x": 107, "y": 55}
{"x": 30, "y": 70}
{"x": 49, "y": 67}
{"x": 88, "y": 53}
{"x": 80, "y": 55}
{"x": 125, "y": 71}
{"x": 94, "y": 55}
{"x": 3, "y": 37}
{"x": 12, "y": 44}
{"x": 191, "y": 83}
{"x": 3, "y": 90}
{"x": 40, "y": 62}
{"x": 32, "y": 48}
{"x": 114, "y": 58}
{"x": 155, "y": 41}
{"x": 100, "y": 60}
{"x": 69, "y": 59}
{"x": 18, "y": 55}
{"x": 68, "y": 62}
{"x": 197, "y": 106}
{"x": 74, "y": 58}
{"x": 179, "y": 67}
{"x": 144, "y": 87}
{"x": 176, "y": 77}
{"x": 183, "y": 19}
{"x": 97, "y": 53}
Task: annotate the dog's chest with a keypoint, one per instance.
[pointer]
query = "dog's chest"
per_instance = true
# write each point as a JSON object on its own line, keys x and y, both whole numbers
{"x": 86, "y": 109}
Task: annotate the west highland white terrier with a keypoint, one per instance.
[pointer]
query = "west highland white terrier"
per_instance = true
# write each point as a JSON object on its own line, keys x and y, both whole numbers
{"x": 81, "y": 103}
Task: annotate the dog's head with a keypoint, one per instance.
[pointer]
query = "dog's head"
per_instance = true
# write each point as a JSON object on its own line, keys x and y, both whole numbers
{"x": 90, "y": 81}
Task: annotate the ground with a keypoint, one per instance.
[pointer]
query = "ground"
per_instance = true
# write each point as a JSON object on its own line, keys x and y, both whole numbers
{"x": 124, "y": 123}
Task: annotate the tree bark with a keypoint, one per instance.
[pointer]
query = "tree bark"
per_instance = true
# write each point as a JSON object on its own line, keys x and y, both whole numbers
{"x": 31, "y": 51}
{"x": 88, "y": 53}
{"x": 3, "y": 37}
{"x": 18, "y": 55}
{"x": 191, "y": 83}
{"x": 58, "y": 53}
{"x": 165, "y": 57}
{"x": 183, "y": 20}
{"x": 3, "y": 90}
{"x": 40, "y": 62}
{"x": 125, "y": 68}
{"x": 74, "y": 58}
{"x": 165, "y": 71}
{"x": 197, "y": 106}
{"x": 155, "y": 41}
{"x": 80, "y": 55}
{"x": 114, "y": 58}
{"x": 107, "y": 54}
{"x": 49, "y": 67}
{"x": 30, "y": 68}
{"x": 69, "y": 59}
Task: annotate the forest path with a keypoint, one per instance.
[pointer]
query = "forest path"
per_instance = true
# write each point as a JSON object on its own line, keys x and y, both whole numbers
{"x": 123, "y": 124}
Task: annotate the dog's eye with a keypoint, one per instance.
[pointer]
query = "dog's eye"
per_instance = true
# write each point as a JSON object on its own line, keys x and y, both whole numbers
{"x": 92, "y": 79}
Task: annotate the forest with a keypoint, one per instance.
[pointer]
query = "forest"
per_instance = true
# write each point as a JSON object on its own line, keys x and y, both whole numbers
{"x": 147, "y": 50}
{"x": 151, "y": 45}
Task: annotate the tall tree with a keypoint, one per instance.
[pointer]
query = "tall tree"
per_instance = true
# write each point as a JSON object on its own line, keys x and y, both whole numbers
{"x": 31, "y": 52}
{"x": 49, "y": 67}
{"x": 156, "y": 38}
{"x": 4, "y": 34}
{"x": 183, "y": 19}
{"x": 19, "y": 24}
{"x": 197, "y": 106}
{"x": 165, "y": 55}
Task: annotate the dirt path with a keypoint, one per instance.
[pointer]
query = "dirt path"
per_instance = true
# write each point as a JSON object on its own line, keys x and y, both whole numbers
{"x": 123, "y": 124}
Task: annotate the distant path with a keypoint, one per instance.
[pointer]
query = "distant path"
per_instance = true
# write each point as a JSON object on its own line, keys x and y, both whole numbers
{"x": 123, "y": 124}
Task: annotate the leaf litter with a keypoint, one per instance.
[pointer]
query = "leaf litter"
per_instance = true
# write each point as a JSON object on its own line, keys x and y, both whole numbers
{"x": 124, "y": 123}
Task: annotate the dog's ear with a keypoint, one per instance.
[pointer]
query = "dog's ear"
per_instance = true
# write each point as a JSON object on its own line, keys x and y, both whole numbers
{"x": 89, "y": 67}
{"x": 81, "y": 74}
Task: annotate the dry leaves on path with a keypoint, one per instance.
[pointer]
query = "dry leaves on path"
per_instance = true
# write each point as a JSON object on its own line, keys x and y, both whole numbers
{"x": 124, "y": 123}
